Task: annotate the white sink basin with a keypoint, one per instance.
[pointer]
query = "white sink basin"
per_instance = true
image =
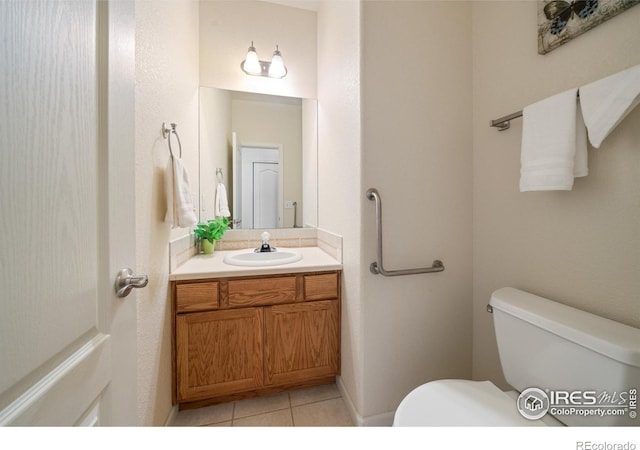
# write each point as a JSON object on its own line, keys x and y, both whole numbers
{"x": 252, "y": 258}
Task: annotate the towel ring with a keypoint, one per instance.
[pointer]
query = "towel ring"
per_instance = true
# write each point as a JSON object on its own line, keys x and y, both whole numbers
{"x": 166, "y": 133}
{"x": 219, "y": 175}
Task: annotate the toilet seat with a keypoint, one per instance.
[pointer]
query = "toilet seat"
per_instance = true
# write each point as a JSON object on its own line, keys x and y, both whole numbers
{"x": 460, "y": 403}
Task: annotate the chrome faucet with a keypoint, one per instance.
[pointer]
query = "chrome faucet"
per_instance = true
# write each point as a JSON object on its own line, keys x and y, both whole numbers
{"x": 265, "y": 247}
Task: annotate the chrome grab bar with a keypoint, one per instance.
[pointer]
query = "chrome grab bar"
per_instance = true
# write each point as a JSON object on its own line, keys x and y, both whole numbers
{"x": 377, "y": 267}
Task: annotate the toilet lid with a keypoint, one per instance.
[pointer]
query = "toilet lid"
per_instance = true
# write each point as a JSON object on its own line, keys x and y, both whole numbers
{"x": 459, "y": 403}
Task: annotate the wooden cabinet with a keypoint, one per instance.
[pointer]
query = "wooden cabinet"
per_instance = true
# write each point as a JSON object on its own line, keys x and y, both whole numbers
{"x": 197, "y": 296}
{"x": 218, "y": 352}
{"x": 239, "y": 337}
{"x": 261, "y": 291}
{"x": 301, "y": 341}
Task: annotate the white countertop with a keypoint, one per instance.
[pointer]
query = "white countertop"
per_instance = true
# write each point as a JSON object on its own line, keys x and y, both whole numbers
{"x": 211, "y": 266}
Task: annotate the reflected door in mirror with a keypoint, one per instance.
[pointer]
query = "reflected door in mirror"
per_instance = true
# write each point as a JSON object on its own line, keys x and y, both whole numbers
{"x": 265, "y": 195}
{"x": 259, "y": 187}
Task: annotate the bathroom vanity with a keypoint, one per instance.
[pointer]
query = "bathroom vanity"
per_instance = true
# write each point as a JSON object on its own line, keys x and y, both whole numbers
{"x": 244, "y": 331}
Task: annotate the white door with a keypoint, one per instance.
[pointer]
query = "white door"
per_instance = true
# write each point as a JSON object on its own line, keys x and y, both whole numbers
{"x": 67, "y": 343}
{"x": 265, "y": 195}
{"x": 249, "y": 156}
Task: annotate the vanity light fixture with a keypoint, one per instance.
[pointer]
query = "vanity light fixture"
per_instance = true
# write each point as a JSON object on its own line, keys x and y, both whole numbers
{"x": 272, "y": 69}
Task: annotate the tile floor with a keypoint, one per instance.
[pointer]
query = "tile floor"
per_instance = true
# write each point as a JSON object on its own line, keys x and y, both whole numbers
{"x": 310, "y": 407}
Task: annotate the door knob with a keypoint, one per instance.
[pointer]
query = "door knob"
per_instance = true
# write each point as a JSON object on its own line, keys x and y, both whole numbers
{"x": 125, "y": 281}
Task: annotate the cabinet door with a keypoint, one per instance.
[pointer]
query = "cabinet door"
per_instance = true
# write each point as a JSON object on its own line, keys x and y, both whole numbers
{"x": 218, "y": 352}
{"x": 301, "y": 341}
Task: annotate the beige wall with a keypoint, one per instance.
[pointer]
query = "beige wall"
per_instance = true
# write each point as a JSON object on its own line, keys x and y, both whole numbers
{"x": 580, "y": 247}
{"x": 309, "y": 216}
{"x": 339, "y": 169}
{"x": 226, "y": 31}
{"x": 416, "y": 150}
{"x": 166, "y": 91}
{"x": 215, "y": 147}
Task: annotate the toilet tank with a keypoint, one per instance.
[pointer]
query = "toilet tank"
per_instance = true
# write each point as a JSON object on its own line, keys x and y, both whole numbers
{"x": 588, "y": 366}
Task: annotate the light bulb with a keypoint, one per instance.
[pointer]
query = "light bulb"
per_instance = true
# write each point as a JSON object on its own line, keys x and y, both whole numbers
{"x": 277, "y": 68}
{"x": 252, "y": 63}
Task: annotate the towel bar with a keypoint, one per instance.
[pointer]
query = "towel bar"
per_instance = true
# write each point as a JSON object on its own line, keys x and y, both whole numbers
{"x": 504, "y": 122}
{"x": 166, "y": 133}
{"x": 377, "y": 267}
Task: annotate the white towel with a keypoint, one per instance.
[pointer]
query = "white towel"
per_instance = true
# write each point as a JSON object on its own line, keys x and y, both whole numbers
{"x": 180, "y": 207}
{"x": 580, "y": 167}
{"x": 606, "y": 102}
{"x": 221, "y": 208}
{"x": 554, "y": 144}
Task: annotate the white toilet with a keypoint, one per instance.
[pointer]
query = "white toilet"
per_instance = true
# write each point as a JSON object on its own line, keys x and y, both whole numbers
{"x": 568, "y": 367}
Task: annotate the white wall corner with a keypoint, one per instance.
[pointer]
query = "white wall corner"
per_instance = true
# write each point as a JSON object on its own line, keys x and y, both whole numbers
{"x": 379, "y": 420}
{"x": 330, "y": 243}
{"x": 180, "y": 250}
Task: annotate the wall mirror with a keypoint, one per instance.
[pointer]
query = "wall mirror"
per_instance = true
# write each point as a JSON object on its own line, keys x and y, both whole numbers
{"x": 263, "y": 150}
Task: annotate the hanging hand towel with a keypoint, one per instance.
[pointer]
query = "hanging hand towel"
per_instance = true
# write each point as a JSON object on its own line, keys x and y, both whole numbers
{"x": 606, "y": 102}
{"x": 222, "y": 204}
{"x": 580, "y": 167}
{"x": 180, "y": 207}
{"x": 554, "y": 145}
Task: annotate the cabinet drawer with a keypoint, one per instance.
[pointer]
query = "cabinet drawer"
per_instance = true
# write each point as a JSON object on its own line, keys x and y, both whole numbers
{"x": 321, "y": 287}
{"x": 192, "y": 297}
{"x": 262, "y": 291}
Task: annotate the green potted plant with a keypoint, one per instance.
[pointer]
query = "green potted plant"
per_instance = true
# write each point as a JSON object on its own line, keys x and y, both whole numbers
{"x": 210, "y": 232}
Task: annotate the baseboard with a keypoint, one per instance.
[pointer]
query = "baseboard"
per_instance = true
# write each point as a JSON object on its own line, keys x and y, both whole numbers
{"x": 172, "y": 416}
{"x": 355, "y": 417}
{"x": 379, "y": 420}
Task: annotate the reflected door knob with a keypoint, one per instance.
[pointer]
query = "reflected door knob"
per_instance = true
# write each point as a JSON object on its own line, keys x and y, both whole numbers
{"x": 125, "y": 281}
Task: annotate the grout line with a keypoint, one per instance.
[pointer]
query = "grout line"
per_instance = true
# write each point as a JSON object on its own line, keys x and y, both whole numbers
{"x": 293, "y": 423}
{"x": 233, "y": 413}
{"x": 265, "y": 412}
{"x": 234, "y": 418}
{"x": 316, "y": 401}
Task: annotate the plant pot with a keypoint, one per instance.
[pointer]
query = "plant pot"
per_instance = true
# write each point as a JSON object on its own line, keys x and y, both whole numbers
{"x": 208, "y": 247}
